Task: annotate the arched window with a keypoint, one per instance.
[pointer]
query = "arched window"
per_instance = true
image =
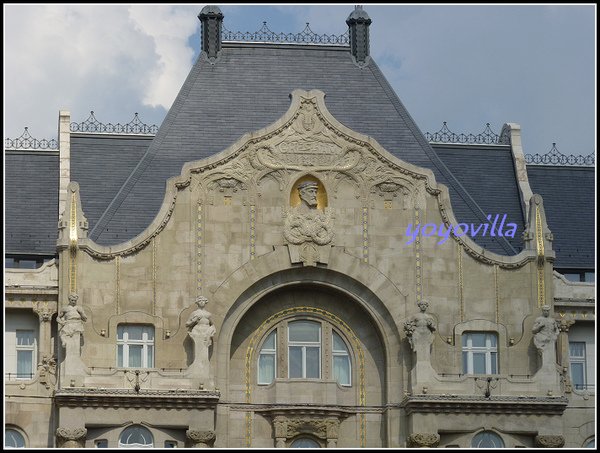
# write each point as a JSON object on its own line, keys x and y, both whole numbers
{"x": 13, "y": 439}
{"x": 303, "y": 352}
{"x": 591, "y": 443}
{"x": 136, "y": 436}
{"x": 267, "y": 359}
{"x": 341, "y": 360}
{"x": 487, "y": 439}
{"x": 305, "y": 442}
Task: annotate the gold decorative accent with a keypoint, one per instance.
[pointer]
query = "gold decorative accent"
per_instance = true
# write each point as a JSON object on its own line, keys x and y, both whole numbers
{"x": 365, "y": 222}
{"x": 252, "y": 232}
{"x": 199, "y": 250}
{"x": 226, "y": 200}
{"x": 540, "y": 251}
{"x": 497, "y": 293}
{"x": 418, "y": 267}
{"x": 334, "y": 320}
{"x": 461, "y": 297}
{"x": 387, "y": 204}
{"x": 154, "y": 275}
{"x": 118, "y": 289}
{"x": 73, "y": 245}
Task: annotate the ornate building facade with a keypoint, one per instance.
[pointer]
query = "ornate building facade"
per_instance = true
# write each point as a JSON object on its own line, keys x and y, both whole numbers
{"x": 272, "y": 295}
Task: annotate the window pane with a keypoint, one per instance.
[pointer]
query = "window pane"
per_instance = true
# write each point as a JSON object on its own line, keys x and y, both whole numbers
{"x": 494, "y": 357}
{"x": 577, "y": 375}
{"x": 120, "y": 355}
{"x": 338, "y": 343}
{"x": 478, "y": 339}
{"x": 24, "y": 364}
{"x": 479, "y": 363}
{"x": 136, "y": 436}
{"x": 465, "y": 360}
{"x": 577, "y": 349}
{"x": 266, "y": 368}
{"x": 304, "y": 331}
{"x": 305, "y": 443}
{"x": 149, "y": 331}
{"x": 487, "y": 439}
{"x": 573, "y": 277}
{"x": 120, "y": 331}
{"x": 135, "y": 332}
{"x": 590, "y": 277}
{"x": 135, "y": 356}
{"x": 295, "y": 357}
{"x": 313, "y": 362}
{"x": 341, "y": 369}
{"x": 270, "y": 341}
{"x": 13, "y": 439}
{"x": 493, "y": 339}
{"x": 102, "y": 443}
{"x": 25, "y": 338}
{"x": 150, "y": 357}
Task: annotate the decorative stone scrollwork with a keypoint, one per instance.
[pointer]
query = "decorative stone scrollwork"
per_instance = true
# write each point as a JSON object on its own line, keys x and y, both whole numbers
{"x": 47, "y": 370}
{"x": 423, "y": 440}
{"x": 70, "y": 438}
{"x": 200, "y": 439}
{"x": 289, "y": 427}
{"x": 549, "y": 441}
{"x": 315, "y": 227}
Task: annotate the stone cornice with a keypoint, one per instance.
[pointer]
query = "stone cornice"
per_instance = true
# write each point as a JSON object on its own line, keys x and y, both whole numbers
{"x": 494, "y": 405}
{"x": 146, "y": 398}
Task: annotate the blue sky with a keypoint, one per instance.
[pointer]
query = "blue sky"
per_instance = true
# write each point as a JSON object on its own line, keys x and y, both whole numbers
{"x": 534, "y": 65}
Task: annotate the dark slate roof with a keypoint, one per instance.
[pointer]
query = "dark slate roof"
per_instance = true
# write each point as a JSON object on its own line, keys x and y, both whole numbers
{"x": 31, "y": 202}
{"x": 569, "y": 202}
{"x": 487, "y": 173}
{"x": 101, "y": 164}
{"x": 247, "y": 89}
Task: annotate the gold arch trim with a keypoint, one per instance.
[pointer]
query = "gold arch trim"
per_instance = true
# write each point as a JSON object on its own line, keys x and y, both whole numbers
{"x": 73, "y": 245}
{"x": 319, "y": 312}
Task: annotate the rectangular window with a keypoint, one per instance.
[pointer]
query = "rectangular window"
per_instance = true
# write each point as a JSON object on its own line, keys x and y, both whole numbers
{"x": 480, "y": 353}
{"x": 26, "y": 351}
{"x": 578, "y": 365}
{"x": 304, "y": 349}
{"x": 135, "y": 346}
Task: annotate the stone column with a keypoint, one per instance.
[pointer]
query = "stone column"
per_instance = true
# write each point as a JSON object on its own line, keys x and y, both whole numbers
{"x": 423, "y": 440}
{"x": 70, "y": 438}
{"x": 562, "y": 346}
{"x": 332, "y": 433}
{"x": 200, "y": 439}
{"x": 64, "y": 146}
{"x": 280, "y": 425}
{"x": 549, "y": 441}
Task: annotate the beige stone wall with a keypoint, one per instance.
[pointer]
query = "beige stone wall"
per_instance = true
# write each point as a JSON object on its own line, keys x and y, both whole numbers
{"x": 226, "y": 231}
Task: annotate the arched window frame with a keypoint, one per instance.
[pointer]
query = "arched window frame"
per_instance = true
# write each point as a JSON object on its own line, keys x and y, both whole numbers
{"x": 14, "y": 431}
{"x": 328, "y": 328}
{"x": 136, "y": 445}
{"x": 479, "y": 437}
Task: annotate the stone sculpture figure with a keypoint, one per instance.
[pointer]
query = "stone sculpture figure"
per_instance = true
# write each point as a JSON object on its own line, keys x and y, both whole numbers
{"x": 419, "y": 329}
{"x": 201, "y": 329}
{"x": 545, "y": 332}
{"x": 70, "y": 321}
{"x": 307, "y": 226}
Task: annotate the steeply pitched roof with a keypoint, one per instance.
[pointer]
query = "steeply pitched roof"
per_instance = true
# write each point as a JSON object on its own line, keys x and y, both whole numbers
{"x": 101, "y": 164}
{"x": 487, "y": 173}
{"x": 247, "y": 89}
{"x": 569, "y": 202}
{"x": 31, "y": 202}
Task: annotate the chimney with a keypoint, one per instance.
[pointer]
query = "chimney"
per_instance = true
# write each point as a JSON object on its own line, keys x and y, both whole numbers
{"x": 211, "y": 20}
{"x": 359, "y": 22}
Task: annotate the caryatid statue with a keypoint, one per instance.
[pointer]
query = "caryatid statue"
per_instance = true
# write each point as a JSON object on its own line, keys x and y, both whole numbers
{"x": 201, "y": 329}
{"x": 70, "y": 329}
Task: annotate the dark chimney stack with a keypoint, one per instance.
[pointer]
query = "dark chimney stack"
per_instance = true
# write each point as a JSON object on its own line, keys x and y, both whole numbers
{"x": 359, "y": 22}
{"x": 211, "y": 20}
